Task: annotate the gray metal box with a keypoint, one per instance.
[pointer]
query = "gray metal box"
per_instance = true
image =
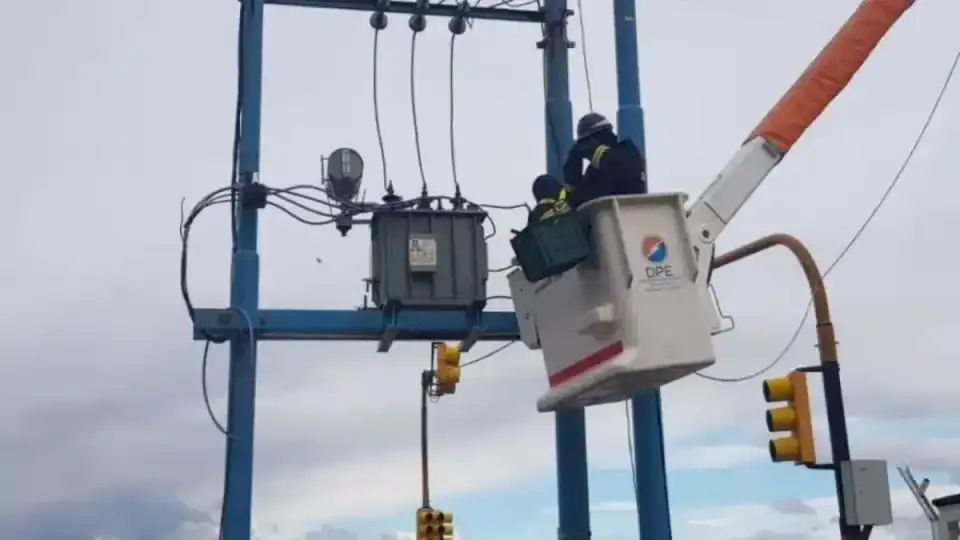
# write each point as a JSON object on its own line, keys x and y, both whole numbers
{"x": 866, "y": 492}
{"x": 428, "y": 259}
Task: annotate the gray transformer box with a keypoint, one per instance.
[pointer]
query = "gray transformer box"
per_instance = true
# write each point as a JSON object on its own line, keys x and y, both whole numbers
{"x": 428, "y": 259}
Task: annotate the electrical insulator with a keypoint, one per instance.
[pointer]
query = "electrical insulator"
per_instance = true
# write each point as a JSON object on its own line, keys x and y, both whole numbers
{"x": 793, "y": 417}
{"x": 448, "y": 368}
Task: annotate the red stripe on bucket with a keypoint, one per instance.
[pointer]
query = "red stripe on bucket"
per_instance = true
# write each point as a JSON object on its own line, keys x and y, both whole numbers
{"x": 582, "y": 366}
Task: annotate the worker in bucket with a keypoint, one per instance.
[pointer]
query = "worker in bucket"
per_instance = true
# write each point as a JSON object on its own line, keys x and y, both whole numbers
{"x": 615, "y": 166}
{"x": 551, "y": 199}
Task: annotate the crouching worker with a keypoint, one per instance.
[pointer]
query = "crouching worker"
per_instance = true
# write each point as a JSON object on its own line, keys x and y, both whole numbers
{"x": 615, "y": 166}
{"x": 551, "y": 199}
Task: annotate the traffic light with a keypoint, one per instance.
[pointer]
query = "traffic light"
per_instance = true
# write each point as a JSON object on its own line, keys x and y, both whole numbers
{"x": 448, "y": 368}
{"x": 434, "y": 524}
{"x": 446, "y": 525}
{"x": 427, "y": 526}
{"x": 793, "y": 417}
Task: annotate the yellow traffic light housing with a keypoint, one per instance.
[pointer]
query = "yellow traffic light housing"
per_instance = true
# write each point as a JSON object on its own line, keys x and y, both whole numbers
{"x": 446, "y": 525}
{"x": 428, "y": 527}
{"x": 448, "y": 368}
{"x": 434, "y": 524}
{"x": 794, "y": 417}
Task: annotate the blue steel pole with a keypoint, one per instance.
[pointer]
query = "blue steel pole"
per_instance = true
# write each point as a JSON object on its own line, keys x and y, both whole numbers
{"x": 244, "y": 288}
{"x": 653, "y": 506}
{"x": 573, "y": 499}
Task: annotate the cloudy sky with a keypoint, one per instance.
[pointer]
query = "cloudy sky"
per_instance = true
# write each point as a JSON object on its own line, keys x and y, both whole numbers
{"x": 113, "y": 110}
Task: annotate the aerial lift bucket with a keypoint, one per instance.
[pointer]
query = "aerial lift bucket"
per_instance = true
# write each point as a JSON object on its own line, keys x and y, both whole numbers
{"x": 628, "y": 319}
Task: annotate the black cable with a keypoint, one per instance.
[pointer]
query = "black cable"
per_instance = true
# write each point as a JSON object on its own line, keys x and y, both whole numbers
{"x": 206, "y": 393}
{"x": 453, "y": 152}
{"x": 376, "y": 108}
{"x": 289, "y": 200}
{"x": 583, "y": 53}
{"x": 846, "y": 249}
{"x": 490, "y": 354}
{"x": 413, "y": 106}
{"x": 237, "y": 123}
{"x": 508, "y": 3}
{"x": 219, "y": 196}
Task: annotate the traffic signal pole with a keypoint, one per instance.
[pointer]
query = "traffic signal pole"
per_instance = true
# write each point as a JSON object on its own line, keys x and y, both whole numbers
{"x": 426, "y": 378}
{"x": 829, "y": 366}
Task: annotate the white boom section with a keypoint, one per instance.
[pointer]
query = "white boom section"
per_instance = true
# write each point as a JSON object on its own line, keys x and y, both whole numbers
{"x": 723, "y": 198}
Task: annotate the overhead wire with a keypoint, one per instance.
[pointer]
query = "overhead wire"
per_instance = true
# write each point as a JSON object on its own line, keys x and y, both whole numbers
{"x": 453, "y": 145}
{"x": 413, "y": 107}
{"x": 583, "y": 54}
{"x": 490, "y": 354}
{"x": 856, "y": 237}
{"x": 376, "y": 108}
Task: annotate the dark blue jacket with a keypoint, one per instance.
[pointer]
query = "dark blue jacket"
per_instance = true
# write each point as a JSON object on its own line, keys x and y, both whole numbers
{"x": 617, "y": 169}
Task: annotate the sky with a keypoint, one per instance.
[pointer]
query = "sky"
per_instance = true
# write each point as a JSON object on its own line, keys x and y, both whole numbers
{"x": 114, "y": 110}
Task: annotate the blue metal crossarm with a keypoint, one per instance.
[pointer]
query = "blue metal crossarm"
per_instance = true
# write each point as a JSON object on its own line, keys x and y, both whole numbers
{"x": 410, "y": 8}
{"x": 356, "y": 325}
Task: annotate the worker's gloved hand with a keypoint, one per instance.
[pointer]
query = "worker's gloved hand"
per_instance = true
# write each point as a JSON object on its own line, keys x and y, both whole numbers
{"x": 573, "y": 169}
{"x": 583, "y": 148}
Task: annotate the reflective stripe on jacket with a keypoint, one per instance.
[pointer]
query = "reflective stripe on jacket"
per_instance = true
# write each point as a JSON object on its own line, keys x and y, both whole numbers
{"x": 549, "y": 207}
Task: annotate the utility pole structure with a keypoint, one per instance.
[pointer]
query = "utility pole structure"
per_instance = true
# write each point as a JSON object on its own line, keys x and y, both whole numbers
{"x": 244, "y": 323}
{"x": 653, "y": 504}
{"x": 573, "y": 499}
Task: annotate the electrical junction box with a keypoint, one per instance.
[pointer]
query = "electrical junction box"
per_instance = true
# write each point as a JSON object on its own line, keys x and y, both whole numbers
{"x": 866, "y": 492}
{"x": 428, "y": 259}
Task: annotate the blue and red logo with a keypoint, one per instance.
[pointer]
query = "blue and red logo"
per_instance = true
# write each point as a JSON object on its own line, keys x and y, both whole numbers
{"x": 654, "y": 249}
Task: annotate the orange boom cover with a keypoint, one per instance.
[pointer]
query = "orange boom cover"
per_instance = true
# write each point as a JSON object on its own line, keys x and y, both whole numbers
{"x": 830, "y": 72}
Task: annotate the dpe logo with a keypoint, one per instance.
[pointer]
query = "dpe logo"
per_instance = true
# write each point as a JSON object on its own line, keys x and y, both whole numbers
{"x": 655, "y": 251}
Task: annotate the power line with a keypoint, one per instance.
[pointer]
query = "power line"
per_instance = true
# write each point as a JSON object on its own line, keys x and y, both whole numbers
{"x": 453, "y": 151}
{"x": 583, "y": 53}
{"x": 490, "y": 354}
{"x": 376, "y": 102}
{"x": 413, "y": 107}
{"x": 860, "y": 230}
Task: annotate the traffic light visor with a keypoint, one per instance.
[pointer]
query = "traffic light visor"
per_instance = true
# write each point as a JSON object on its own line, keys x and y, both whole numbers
{"x": 785, "y": 449}
{"x": 778, "y": 389}
{"x": 781, "y": 419}
{"x": 448, "y": 354}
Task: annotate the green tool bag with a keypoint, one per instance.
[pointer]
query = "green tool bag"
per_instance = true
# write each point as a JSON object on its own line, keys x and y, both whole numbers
{"x": 552, "y": 246}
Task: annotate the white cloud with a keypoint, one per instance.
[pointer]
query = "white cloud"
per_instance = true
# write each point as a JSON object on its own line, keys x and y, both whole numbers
{"x": 808, "y": 519}
{"x": 727, "y": 456}
{"x": 750, "y": 521}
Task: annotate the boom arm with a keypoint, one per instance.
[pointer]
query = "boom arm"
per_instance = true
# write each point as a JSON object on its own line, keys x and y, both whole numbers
{"x": 786, "y": 122}
{"x": 918, "y": 493}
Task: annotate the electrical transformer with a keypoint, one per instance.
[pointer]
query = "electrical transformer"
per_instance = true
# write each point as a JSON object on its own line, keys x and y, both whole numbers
{"x": 428, "y": 259}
